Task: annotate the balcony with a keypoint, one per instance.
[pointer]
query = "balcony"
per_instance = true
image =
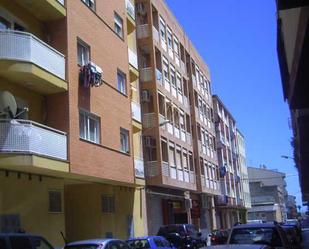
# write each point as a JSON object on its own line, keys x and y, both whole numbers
{"x": 146, "y": 74}
{"x": 27, "y": 145}
{"x": 155, "y": 35}
{"x": 136, "y": 111}
{"x": 45, "y": 10}
{"x": 28, "y": 137}
{"x": 142, "y": 31}
{"x": 133, "y": 58}
{"x": 139, "y": 167}
{"x": 30, "y": 62}
{"x": 149, "y": 120}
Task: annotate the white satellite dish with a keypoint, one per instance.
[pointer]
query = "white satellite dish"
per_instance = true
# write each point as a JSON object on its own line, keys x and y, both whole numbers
{"x": 8, "y": 105}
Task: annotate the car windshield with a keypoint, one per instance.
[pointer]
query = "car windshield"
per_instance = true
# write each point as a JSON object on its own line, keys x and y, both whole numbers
{"x": 191, "y": 230}
{"x": 257, "y": 235}
{"x": 139, "y": 244}
{"x": 85, "y": 246}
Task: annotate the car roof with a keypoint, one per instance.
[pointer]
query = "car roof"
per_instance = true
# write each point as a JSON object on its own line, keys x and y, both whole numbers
{"x": 255, "y": 225}
{"x": 235, "y": 246}
{"x": 19, "y": 235}
{"x": 145, "y": 237}
{"x": 91, "y": 241}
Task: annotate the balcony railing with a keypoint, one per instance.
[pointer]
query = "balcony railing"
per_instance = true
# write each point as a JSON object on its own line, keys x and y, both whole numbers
{"x": 132, "y": 58}
{"x": 155, "y": 34}
{"x": 146, "y": 74}
{"x": 136, "y": 111}
{"x": 149, "y": 120}
{"x": 139, "y": 167}
{"x": 25, "y": 47}
{"x": 130, "y": 9}
{"x": 61, "y": 2}
{"x": 28, "y": 137}
{"x": 142, "y": 31}
{"x": 152, "y": 169}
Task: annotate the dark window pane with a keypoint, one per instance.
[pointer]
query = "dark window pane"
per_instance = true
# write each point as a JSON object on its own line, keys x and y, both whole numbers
{"x": 20, "y": 242}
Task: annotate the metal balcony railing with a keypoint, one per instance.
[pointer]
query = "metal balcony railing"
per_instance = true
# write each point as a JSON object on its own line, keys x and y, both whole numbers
{"x": 136, "y": 111}
{"x": 132, "y": 58}
{"x": 142, "y": 31}
{"x": 146, "y": 74}
{"x": 149, "y": 120}
{"x": 28, "y": 137}
{"x": 139, "y": 167}
{"x": 23, "y": 46}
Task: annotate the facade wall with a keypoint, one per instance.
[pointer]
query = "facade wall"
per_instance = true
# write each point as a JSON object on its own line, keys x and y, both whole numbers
{"x": 25, "y": 196}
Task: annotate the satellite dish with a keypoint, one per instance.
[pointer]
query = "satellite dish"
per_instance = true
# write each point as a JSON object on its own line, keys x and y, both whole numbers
{"x": 8, "y": 106}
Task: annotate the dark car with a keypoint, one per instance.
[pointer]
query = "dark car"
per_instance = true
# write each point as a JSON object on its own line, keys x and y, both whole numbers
{"x": 23, "y": 241}
{"x": 270, "y": 234}
{"x": 219, "y": 237}
{"x": 150, "y": 242}
{"x": 295, "y": 223}
{"x": 291, "y": 233}
{"x": 182, "y": 235}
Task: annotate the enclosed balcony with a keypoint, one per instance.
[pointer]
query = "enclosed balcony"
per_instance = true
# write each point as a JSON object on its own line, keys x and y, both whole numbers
{"x": 30, "y": 62}
{"x": 24, "y": 143}
{"x": 133, "y": 58}
{"x": 136, "y": 111}
{"x": 44, "y": 10}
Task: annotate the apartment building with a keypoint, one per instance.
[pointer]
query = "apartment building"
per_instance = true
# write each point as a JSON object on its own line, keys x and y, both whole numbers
{"x": 244, "y": 178}
{"x": 178, "y": 129}
{"x": 268, "y": 194}
{"x": 70, "y": 129}
{"x": 230, "y": 204}
{"x": 292, "y": 48}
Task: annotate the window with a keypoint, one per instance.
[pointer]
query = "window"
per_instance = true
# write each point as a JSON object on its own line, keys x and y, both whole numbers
{"x": 124, "y": 140}
{"x": 89, "y": 126}
{"x": 83, "y": 53}
{"x": 162, "y": 30}
{"x": 118, "y": 25}
{"x": 169, "y": 39}
{"x": 165, "y": 69}
{"x": 171, "y": 155}
{"x": 55, "y": 201}
{"x": 121, "y": 82}
{"x": 90, "y": 3}
{"x": 108, "y": 204}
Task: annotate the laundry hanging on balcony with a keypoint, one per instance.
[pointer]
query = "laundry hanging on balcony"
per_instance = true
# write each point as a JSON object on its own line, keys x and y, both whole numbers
{"x": 90, "y": 75}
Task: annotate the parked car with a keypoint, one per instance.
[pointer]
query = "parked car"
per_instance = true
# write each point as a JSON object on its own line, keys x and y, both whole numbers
{"x": 219, "y": 237}
{"x": 270, "y": 234}
{"x": 150, "y": 242}
{"x": 295, "y": 223}
{"x": 254, "y": 221}
{"x": 293, "y": 238}
{"x": 23, "y": 241}
{"x": 98, "y": 244}
{"x": 182, "y": 235}
{"x": 239, "y": 247}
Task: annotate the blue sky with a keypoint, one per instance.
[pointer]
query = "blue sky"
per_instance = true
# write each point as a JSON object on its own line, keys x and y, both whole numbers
{"x": 237, "y": 40}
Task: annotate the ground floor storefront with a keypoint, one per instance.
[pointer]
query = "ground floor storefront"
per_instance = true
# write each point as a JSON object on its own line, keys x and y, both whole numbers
{"x": 45, "y": 205}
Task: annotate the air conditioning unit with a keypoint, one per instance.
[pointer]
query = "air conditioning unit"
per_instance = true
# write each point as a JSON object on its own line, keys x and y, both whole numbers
{"x": 145, "y": 96}
{"x": 150, "y": 142}
{"x": 140, "y": 9}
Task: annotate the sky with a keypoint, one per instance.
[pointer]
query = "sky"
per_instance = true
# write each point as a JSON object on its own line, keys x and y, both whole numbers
{"x": 237, "y": 40}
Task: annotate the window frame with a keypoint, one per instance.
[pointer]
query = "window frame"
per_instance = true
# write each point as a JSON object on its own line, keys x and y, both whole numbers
{"x": 58, "y": 191}
{"x": 122, "y": 74}
{"x": 88, "y": 115}
{"x": 88, "y": 4}
{"x": 125, "y": 133}
{"x": 118, "y": 23}
{"x": 86, "y": 47}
